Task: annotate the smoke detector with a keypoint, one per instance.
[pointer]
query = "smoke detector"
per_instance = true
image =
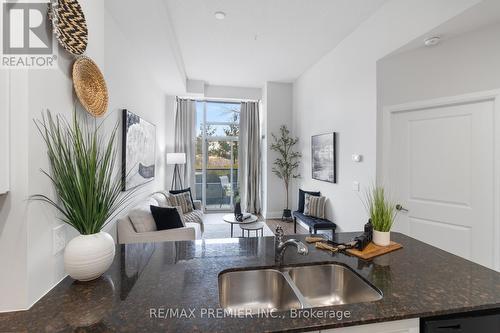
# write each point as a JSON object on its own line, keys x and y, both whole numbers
{"x": 220, "y": 15}
{"x": 432, "y": 41}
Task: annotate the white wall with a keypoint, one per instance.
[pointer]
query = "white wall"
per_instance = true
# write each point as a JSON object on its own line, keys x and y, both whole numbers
{"x": 133, "y": 89}
{"x": 339, "y": 94}
{"x": 277, "y": 111}
{"x": 26, "y": 228}
{"x": 155, "y": 48}
{"x": 226, "y": 92}
{"x": 52, "y": 90}
{"x": 13, "y": 206}
{"x": 4, "y": 130}
{"x": 29, "y": 267}
{"x": 464, "y": 64}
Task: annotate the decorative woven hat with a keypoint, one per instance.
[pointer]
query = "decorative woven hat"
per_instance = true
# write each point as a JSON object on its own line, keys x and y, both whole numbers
{"x": 90, "y": 86}
{"x": 69, "y": 25}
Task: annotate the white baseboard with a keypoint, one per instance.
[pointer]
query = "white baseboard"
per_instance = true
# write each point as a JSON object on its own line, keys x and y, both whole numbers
{"x": 272, "y": 215}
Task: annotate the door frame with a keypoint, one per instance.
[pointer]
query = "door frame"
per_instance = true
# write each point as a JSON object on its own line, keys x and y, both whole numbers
{"x": 490, "y": 95}
{"x": 204, "y": 163}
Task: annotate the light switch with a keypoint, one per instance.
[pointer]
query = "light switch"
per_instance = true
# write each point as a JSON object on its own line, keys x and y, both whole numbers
{"x": 355, "y": 186}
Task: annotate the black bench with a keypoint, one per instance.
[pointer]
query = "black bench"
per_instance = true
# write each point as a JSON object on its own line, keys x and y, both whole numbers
{"x": 314, "y": 223}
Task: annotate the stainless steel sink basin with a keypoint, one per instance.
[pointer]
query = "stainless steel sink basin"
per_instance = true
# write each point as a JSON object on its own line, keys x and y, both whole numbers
{"x": 324, "y": 285}
{"x": 256, "y": 291}
{"x": 288, "y": 288}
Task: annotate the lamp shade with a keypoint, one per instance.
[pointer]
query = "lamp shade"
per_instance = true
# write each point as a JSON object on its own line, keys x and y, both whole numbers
{"x": 176, "y": 158}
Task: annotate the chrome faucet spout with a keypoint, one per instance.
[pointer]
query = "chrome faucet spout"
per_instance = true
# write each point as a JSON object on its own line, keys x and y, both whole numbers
{"x": 281, "y": 246}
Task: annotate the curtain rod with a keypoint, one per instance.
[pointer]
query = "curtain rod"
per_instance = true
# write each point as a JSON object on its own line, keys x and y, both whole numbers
{"x": 222, "y": 101}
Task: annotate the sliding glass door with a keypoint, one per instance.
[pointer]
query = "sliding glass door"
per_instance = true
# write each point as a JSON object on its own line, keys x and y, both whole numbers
{"x": 217, "y": 154}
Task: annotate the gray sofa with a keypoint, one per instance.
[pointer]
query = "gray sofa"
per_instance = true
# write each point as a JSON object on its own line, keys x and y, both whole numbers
{"x": 143, "y": 228}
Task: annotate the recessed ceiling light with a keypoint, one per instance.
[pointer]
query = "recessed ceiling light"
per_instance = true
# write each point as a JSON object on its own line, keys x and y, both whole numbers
{"x": 220, "y": 15}
{"x": 432, "y": 41}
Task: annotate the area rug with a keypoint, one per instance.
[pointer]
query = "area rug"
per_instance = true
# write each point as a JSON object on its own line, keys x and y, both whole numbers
{"x": 215, "y": 227}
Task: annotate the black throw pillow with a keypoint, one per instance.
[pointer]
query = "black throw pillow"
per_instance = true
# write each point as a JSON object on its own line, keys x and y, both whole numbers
{"x": 166, "y": 217}
{"x": 182, "y": 191}
{"x": 302, "y": 195}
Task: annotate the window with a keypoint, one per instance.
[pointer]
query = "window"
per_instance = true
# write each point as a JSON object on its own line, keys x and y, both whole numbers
{"x": 217, "y": 131}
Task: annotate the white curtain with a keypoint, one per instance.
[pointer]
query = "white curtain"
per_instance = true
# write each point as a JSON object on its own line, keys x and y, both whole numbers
{"x": 249, "y": 157}
{"x": 185, "y": 136}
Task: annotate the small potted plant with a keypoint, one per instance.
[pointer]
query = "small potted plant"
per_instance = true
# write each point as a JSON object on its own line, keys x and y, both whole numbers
{"x": 382, "y": 214}
{"x": 87, "y": 182}
{"x": 287, "y": 162}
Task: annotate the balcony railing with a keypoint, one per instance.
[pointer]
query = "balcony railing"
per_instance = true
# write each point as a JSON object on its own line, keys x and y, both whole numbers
{"x": 217, "y": 195}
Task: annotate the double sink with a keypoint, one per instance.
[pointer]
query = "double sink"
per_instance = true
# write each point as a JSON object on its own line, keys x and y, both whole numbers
{"x": 281, "y": 289}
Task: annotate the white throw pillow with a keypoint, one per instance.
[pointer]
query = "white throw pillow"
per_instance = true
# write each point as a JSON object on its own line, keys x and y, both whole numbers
{"x": 142, "y": 219}
{"x": 314, "y": 206}
{"x": 161, "y": 197}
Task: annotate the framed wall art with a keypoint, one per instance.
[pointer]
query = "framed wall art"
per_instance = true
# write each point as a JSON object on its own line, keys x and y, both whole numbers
{"x": 138, "y": 151}
{"x": 323, "y": 154}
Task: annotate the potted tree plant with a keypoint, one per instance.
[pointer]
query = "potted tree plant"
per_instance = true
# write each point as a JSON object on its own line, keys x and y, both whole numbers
{"x": 382, "y": 212}
{"x": 287, "y": 162}
{"x": 88, "y": 187}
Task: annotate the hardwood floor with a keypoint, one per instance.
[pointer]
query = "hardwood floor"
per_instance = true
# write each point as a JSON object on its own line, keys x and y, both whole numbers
{"x": 211, "y": 219}
{"x": 287, "y": 226}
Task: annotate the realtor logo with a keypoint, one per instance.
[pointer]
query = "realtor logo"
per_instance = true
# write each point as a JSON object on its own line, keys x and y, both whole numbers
{"x": 27, "y": 39}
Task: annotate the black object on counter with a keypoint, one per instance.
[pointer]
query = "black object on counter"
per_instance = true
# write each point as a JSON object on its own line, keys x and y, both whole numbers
{"x": 363, "y": 240}
{"x": 369, "y": 228}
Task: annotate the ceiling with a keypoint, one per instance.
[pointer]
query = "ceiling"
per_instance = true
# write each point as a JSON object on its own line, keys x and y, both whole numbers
{"x": 261, "y": 40}
{"x": 477, "y": 17}
{"x": 148, "y": 38}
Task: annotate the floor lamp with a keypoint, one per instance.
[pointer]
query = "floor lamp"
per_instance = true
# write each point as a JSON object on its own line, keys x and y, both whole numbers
{"x": 176, "y": 159}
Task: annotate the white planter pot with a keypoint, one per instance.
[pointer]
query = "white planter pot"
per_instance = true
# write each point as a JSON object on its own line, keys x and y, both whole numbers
{"x": 87, "y": 257}
{"x": 381, "y": 238}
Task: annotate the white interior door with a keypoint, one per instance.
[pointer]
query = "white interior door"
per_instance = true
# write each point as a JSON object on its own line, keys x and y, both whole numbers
{"x": 440, "y": 168}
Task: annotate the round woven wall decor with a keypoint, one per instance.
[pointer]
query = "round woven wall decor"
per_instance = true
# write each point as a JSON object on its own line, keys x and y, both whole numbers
{"x": 90, "y": 86}
{"x": 69, "y": 25}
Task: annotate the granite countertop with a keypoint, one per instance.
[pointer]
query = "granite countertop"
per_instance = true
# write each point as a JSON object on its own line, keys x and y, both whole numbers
{"x": 417, "y": 281}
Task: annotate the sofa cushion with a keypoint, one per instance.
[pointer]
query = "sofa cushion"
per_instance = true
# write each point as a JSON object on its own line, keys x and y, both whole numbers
{"x": 302, "y": 198}
{"x": 314, "y": 206}
{"x": 184, "y": 191}
{"x": 166, "y": 217}
{"x": 197, "y": 229}
{"x": 161, "y": 197}
{"x": 196, "y": 216}
{"x": 141, "y": 217}
{"x": 315, "y": 222}
{"x": 142, "y": 220}
{"x": 183, "y": 200}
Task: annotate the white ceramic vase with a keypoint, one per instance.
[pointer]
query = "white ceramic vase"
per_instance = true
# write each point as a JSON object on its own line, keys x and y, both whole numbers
{"x": 381, "y": 238}
{"x": 87, "y": 257}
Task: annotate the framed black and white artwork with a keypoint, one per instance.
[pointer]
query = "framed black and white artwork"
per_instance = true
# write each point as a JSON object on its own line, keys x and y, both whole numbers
{"x": 324, "y": 164}
{"x": 138, "y": 151}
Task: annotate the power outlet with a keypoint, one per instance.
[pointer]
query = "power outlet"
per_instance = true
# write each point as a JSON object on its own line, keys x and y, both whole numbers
{"x": 59, "y": 239}
{"x": 355, "y": 186}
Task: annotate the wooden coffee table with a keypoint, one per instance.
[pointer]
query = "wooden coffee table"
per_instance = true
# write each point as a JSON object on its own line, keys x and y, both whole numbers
{"x": 231, "y": 219}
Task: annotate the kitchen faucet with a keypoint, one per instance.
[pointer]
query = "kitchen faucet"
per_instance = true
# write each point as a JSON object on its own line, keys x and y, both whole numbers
{"x": 280, "y": 246}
